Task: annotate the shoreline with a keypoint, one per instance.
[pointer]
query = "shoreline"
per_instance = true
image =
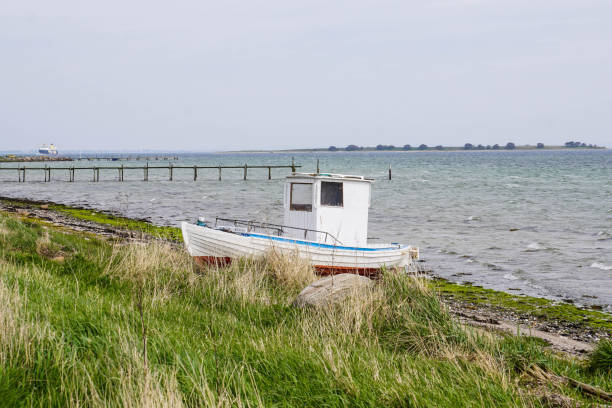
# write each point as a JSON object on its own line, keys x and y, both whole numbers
{"x": 564, "y": 326}
{"x": 413, "y": 150}
{"x": 124, "y": 311}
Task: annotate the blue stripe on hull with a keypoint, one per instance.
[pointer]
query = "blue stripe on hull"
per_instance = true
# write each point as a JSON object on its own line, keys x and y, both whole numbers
{"x": 317, "y": 245}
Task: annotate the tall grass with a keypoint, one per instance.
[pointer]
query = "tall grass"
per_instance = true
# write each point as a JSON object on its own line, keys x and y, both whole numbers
{"x": 600, "y": 359}
{"x": 138, "y": 325}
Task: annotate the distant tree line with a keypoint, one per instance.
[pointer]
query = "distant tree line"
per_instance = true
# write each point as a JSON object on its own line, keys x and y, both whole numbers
{"x": 467, "y": 146}
{"x": 349, "y": 148}
{"x": 385, "y": 147}
{"x": 508, "y": 146}
{"x": 579, "y": 144}
{"x": 420, "y": 147}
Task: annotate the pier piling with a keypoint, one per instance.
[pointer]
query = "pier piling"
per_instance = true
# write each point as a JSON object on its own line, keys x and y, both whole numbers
{"x": 389, "y": 171}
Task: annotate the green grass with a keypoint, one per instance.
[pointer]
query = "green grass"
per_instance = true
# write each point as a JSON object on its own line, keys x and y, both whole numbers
{"x": 538, "y": 307}
{"x": 601, "y": 358}
{"x": 77, "y": 311}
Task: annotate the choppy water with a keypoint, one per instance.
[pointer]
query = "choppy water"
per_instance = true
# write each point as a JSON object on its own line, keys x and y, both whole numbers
{"x": 460, "y": 208}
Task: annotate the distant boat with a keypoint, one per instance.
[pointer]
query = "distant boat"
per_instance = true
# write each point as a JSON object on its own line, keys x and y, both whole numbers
{"x": 326, "y": 221}
{"x": 48, "y": 150}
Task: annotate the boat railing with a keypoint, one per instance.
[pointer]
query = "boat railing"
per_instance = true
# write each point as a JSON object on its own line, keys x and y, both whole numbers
{"x": 278, "y": 228}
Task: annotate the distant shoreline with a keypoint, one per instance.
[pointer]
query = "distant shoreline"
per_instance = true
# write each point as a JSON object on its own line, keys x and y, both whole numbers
{"x": 108, "y": 155}
{"x": 415, "y": 150}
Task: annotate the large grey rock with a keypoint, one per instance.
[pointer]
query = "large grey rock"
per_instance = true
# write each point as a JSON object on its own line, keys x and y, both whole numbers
{"x": 331, "y": 289}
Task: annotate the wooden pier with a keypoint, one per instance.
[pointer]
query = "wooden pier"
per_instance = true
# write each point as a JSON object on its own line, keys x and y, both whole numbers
{"x": 125, "y": 158}
{"x": 95, "y": 170}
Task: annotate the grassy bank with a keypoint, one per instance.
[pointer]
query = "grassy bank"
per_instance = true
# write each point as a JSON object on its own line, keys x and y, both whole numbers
{"x": 103, "y": 218}
{"x": 100, "y": 217}
{"x": 89, "y": 322}
{"x": 478, "y": 296}
{"x": 528, "y": 305}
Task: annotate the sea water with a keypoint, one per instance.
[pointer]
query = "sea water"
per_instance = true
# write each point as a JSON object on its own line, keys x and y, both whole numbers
{"x": 531, "y": 222}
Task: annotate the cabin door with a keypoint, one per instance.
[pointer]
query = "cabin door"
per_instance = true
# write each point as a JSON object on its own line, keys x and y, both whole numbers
{"x": 300, "y": 210}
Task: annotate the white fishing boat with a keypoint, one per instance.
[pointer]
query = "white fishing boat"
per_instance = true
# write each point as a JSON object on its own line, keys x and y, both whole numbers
{"x": 325, "y": 221}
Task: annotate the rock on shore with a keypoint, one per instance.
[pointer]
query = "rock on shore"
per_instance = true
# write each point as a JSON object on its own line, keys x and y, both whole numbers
{"x": 331, "y": 289}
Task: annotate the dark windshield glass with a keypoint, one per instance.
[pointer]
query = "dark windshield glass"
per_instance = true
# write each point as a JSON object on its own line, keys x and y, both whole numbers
{"x": 331, "y": 194}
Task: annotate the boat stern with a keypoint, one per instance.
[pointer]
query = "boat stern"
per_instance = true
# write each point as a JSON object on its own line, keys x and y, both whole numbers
{"x": 185, "y": 232}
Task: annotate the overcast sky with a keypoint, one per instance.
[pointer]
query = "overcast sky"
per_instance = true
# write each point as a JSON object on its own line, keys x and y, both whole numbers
{"x": 215, "y": 75}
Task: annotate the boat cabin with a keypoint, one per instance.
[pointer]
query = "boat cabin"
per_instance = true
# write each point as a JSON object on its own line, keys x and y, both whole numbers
{"x": 327, "y": 208}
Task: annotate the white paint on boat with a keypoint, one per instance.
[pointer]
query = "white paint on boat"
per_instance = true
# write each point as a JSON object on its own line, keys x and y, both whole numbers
{"x": 203, "y": 241}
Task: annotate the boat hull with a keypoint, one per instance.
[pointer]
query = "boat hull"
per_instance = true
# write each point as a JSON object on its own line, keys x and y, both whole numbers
{"x": 216, "y": 247}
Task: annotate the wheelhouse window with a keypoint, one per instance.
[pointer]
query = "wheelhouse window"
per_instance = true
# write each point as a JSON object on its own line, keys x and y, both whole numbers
{"x": 331, "y": 194}
{"x": 301, "y": 197}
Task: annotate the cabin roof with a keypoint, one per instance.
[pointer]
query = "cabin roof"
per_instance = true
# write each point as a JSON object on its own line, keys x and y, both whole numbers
{"x": 330, "y": 176}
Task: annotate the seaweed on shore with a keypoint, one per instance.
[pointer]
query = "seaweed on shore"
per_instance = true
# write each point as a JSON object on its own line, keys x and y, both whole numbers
{"x": 570, "y": 316}
{"x": 142, "y": 226}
